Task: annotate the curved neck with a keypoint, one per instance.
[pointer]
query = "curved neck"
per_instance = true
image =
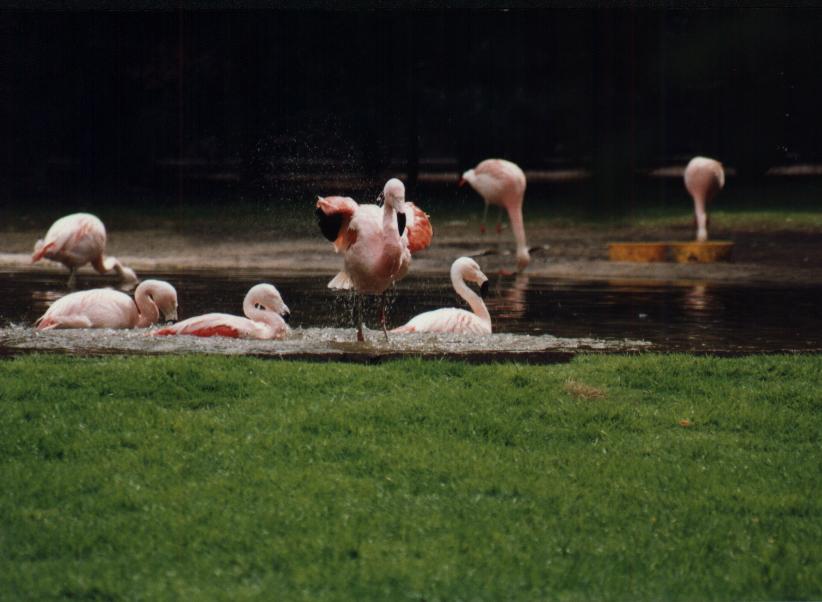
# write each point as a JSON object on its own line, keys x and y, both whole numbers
{"x": 518, "y": 228}
{"x": 390, "y": 229}
{"x": 701, "y": 218}
{"x": 473, "y": 299}
{"x": 255, "y": 314}
{"x": 147, "y": 308}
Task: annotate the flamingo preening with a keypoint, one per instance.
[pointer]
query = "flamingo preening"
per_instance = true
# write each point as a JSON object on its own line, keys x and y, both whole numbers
{"x": 107, "y": 308}
{"x": 502, "y": 183}
{"x": 704, "y": 178}
{"x": 451, "y": 319}
{"x": 376, "y": 242}
{"x": 77, "y": 239}
{"x": 266, "y": 316}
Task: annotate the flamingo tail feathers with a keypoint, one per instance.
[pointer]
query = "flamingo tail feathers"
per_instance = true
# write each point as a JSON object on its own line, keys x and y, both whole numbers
{"x": 341, "y": 281}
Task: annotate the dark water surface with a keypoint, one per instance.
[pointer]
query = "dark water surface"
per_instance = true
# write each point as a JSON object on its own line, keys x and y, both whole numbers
{"x": 554, "y": 314}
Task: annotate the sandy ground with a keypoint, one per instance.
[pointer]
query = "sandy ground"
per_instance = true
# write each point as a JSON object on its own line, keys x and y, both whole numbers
{"x": 783, "y": 256}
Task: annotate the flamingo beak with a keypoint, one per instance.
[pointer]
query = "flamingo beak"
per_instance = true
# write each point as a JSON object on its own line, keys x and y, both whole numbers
{"x": 380, "y": 199}
{"x": 461, "y": 183}
{"x": 484, "y": 289}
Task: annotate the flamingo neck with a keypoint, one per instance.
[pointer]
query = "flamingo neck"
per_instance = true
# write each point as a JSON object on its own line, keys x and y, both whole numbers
{"x": 701, "y": 218}
{"x": 390, "y": 228}
{"x": 146, "y": 307}
{"x": 473, "y": 299}
{"x": 270, "y": 318}
{"x": 125, "y": 273}
{"x": 518, "y": 228}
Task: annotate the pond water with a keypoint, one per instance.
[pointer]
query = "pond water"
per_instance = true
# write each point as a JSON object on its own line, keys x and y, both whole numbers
{"x": 534, "y": 317}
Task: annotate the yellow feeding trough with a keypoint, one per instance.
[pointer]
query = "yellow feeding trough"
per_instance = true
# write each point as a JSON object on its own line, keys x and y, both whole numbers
{"x": 637, "y": 251}
{"x": 701, "y": 252}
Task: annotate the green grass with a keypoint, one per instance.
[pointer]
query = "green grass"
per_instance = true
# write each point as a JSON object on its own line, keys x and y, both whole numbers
{"x": 236, "y": 478}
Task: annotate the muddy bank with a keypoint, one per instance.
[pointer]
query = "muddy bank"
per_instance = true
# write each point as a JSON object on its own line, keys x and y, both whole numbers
{"x": 783, "y": 256}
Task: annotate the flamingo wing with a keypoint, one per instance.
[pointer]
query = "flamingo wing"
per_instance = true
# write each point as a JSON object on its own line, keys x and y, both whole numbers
{"x": 223, "y": 325}
{"x": 446, "y": 320}
{"x": 96, "y": 308}
{"x": 418, "y": 228}
{"x": 334, "y": 215}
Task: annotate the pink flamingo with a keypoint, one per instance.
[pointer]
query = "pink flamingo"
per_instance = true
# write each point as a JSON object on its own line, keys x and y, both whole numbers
{"x": 704, "y": 178}
{"x": 78, "y": 239}
{"x": 376, "y": 242}
{"x": 266, "y": 315}
{"x": 107, "y": 308}
{"x": 502, "y": 183}
{"x": 451, "y": 319}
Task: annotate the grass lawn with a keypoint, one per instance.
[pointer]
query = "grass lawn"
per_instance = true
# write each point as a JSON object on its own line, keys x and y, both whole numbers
{"x": 648, "y": 477}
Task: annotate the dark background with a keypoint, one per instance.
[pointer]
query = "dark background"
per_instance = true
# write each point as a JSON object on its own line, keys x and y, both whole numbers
{"x": 193, "y": 102}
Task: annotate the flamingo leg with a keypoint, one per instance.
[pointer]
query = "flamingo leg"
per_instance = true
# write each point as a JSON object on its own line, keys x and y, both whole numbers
{"x": 382, "y": 315}
{"x": 72, "y": 280}
{"x": 358, "y": 317}
{"x": 484, "y": 218}
{"x": 499, "y": 222}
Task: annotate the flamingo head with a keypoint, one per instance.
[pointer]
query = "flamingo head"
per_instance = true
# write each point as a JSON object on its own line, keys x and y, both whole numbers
{"x": 467, "y": 178}
{"x": 394, "y": 194}
{"x": 468, "y": 269}
{"x": 162, "y": 294}
{"x": 523, "y": 258}
{"x": 265, "y": 297}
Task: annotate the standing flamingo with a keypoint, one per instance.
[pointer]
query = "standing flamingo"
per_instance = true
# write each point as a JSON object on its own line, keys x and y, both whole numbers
{"x": 78, "y": 239}
{"x": 451, "y": 319}
{"x": 502, "y": 183}
{"x": 266, "y": 315}
{"x": 107, "y": 308}
{"x": 376, "y": 242}
{"x": 704, "y": 178}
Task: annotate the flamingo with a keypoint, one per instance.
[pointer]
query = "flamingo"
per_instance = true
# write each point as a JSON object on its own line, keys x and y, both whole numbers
{"x": 77, "y": 239}
{"x": 107, "y": 308}
{"x": 376, "y": 242}
{"x": 451, "y": 319}
{"x": 704, "y": 178}
{"x": 502, "y": 183}
{"x": 266, "y": 315}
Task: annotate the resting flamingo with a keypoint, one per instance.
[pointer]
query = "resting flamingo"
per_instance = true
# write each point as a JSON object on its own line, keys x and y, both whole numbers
{"x": 704, "y": 178}
{"x": 107, "y": 308}
{"x": 265, "y": 311}
{"x": 451, "y": 319}
{"x": 502, "y": 183}
{"x": 376, "y": 242}
{"x": 78, "y": 239}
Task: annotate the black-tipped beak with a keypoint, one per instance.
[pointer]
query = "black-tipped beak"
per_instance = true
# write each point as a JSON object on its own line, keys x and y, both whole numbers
{"x": 380, "y": 199}
{"x": 286, "y": 316}
{"x": 484, "y": 290}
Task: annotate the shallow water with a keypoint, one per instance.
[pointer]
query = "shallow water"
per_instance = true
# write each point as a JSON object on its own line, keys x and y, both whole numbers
{"x": 531, "y": 316}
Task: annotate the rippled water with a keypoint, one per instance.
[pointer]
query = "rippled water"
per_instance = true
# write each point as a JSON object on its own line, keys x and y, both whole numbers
{"x": 530, "y": 315}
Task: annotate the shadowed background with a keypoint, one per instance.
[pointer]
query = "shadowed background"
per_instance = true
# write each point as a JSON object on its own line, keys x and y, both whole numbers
{"x": 191, "y": 103}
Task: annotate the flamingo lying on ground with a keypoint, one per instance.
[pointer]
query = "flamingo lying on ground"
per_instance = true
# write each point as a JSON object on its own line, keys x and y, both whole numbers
{"x": 78, "y": 239}
{"x": 451, "y": 319}
{"x": 107, "y": 308}
{"x": 376, "y": 242}
{"x": 704, "y": 178}
{"x": 502, "y": 183}
{"x": 266, "y": 315}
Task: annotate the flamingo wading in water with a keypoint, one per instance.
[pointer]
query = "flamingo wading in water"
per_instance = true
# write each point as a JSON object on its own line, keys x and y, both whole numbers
{"x": 78, "y": 239}
{"x": 266, "y": 316}
{"x": 107, "y": 308}
{"x": 502, "y": 183}
{"x": 376, "y": 242}
{"x": 704, "y": 178}
{"x": 451, "y": 319}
